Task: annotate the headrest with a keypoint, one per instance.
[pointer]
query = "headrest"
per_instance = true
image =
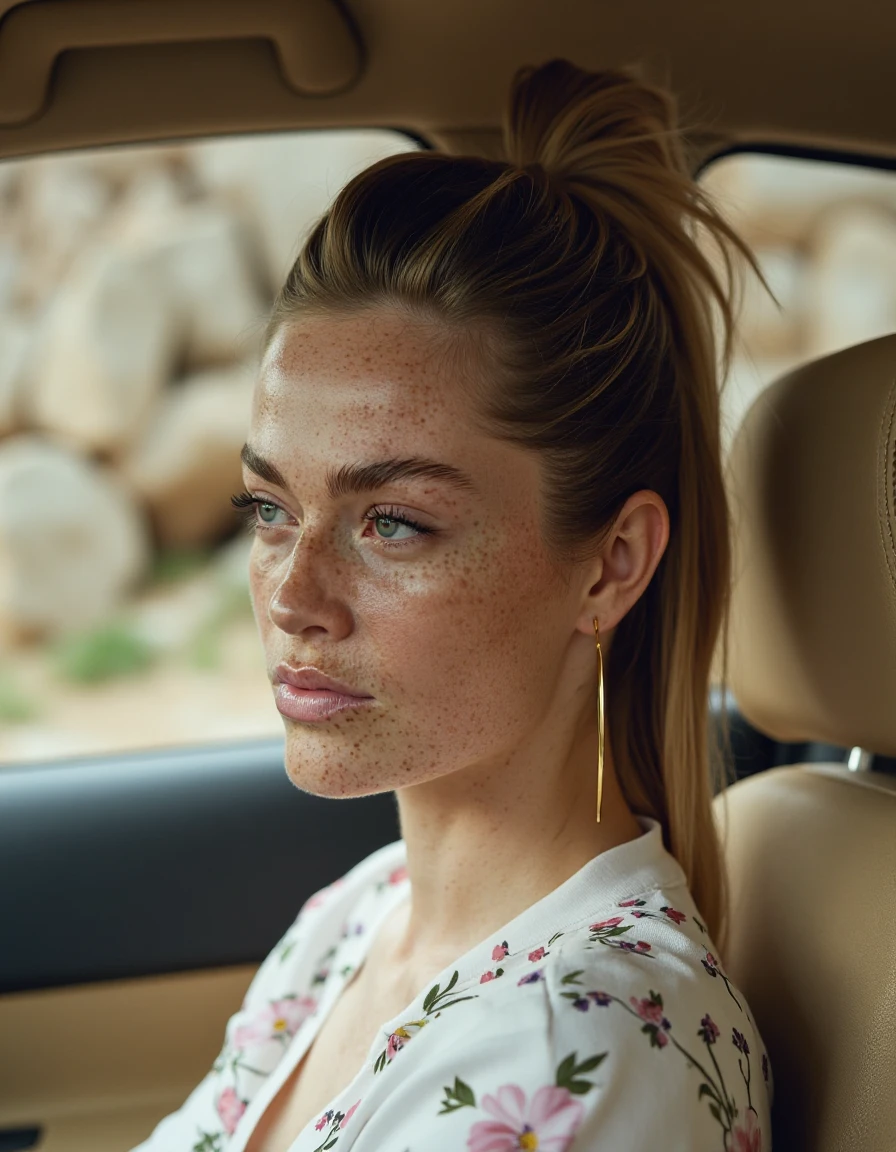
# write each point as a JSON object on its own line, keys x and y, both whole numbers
{"x": 812, "y": 484}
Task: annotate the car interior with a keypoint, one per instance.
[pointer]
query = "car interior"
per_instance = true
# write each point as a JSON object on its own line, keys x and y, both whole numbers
{"x": 135, "y": 885}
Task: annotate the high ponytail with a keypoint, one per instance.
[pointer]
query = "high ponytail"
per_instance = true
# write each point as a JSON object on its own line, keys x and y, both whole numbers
{"x": 577, "y": 272}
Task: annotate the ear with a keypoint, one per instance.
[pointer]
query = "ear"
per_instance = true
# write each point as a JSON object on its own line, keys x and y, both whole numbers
{"x": 627, "y": 561}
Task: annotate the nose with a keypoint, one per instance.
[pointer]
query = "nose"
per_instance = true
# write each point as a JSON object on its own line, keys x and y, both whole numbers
{"x": 308, "y": 595}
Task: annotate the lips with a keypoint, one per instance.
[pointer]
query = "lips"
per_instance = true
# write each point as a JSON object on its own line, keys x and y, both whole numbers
{"x": 310, "y": 678}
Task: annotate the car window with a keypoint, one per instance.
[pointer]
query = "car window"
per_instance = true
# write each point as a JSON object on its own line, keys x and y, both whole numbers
{"x": 134, "y": 286}
{"x": 824, "y": 234}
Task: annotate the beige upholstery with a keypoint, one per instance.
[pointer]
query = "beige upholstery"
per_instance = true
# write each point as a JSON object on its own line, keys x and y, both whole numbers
{"x": 814, "y": 499}
{"x": 811, "y": 849}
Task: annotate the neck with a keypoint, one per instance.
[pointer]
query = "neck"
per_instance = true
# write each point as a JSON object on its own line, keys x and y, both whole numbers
{"x": 485, "y": 843}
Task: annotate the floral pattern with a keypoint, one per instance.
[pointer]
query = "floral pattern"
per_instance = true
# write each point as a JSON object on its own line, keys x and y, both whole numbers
{"x": 738, "y": 1133}
{"x": 547, "y": 1122}
{"x": 531, "y": 1035}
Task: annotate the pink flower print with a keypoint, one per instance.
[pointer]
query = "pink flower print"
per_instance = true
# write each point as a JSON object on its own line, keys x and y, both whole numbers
{"x": 324, "y": 1120}
{"x": 674, "y": 914}
{"x": 711, "y": 964}
{"x": 746, "y": 1137}
{"x": 349, "y": 1114}
{"x": 397, "y": 1041}
{"x": 649, "y": 1010}
{"x": 398, "y": 874}
{"x": 639, "y": 914}
{"x": 281, "y": 1018}
{"x": 538, "y": 954}
{"x": 485, "y": 977}
{"x": 660, "y": 1038}
{"x": 611, "y": 923}
{"x": 230, "y": 1108}
{"x": 548, "y": 1123}
{"x": 629, "y": 903}
{"x": 499, "y": 952}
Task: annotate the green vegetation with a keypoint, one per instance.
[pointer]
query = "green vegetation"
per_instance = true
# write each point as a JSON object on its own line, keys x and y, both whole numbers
{"x": 15, "y": 706}
{"x": 102, "y": 653}
{"x": 231, "y": 602}
{"x": 173, "y": 564}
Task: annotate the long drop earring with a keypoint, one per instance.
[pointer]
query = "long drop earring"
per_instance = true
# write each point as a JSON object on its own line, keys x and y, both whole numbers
{"x": 600, "y": 718}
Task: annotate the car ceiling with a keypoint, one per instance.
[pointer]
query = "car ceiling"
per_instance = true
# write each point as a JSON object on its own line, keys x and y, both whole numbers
{"x": 819, "y": 74}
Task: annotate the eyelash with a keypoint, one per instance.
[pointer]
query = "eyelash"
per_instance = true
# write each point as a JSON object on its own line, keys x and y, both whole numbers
{"x": 246, "y": 503}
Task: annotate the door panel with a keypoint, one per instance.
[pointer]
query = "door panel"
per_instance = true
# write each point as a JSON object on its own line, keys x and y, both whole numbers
{"x": 96, "y": 1066}
{"x": 138, "y": 895}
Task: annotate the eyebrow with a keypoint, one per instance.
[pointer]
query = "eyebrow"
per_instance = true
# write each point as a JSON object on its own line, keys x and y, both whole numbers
{"x": 354, "y": 478}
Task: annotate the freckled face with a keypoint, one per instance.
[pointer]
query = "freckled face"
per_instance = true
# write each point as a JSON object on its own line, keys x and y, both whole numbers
{"x": 459, "y": 635}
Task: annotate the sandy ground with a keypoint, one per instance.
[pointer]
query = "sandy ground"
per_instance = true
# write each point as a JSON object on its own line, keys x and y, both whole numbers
{"x": 170, "y": 703}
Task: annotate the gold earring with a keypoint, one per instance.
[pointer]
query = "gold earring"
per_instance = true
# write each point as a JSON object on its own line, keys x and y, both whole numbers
{"x": 600, "y": 718}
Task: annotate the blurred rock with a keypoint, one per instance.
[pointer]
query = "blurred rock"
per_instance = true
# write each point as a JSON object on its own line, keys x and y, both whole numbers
{"x": 851, "y": 289}
{"x": 777, "y": 201}
{"x": 106, "y": 349}
{"x": 72, "y": 541}
{"x": 186, "y": 465}
{"x": 63, "y": 202}
{"x": 765, "y": 328}
{"x": 283, "y": 183}
{"x": 15, "y": 346}
{"x": 207, "y": 258}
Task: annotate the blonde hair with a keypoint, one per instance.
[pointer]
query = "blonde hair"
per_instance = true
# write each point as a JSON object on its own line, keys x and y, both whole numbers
{"x": 575, "y": 270}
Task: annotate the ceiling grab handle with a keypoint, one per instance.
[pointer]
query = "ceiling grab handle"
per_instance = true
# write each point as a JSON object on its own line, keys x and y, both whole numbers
{"x": 318, "y": 49}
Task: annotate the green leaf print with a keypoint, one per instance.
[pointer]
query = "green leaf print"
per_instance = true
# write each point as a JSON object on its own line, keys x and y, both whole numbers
{"x": 568, "y": 1070}
{"x": 460, "y": 1096}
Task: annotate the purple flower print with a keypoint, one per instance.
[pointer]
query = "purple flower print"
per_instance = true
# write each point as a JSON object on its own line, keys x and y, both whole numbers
{"x": 581, "y": 1003}
{"x": 746, "y": 1137}
{"x": 230, "y": 1108}
{"x": 711, "y": 964}
{"x": 740, "y": 1041}
{"x": 499, "y": 952}
{"x": 628, "y": 946}
{"x": 709, "y": 1030}
{"x": 279, "y": 1020}
{"x": 530, "y": 977}
{"x": 548, "y": 1122}
{"x": 600, "y": 998}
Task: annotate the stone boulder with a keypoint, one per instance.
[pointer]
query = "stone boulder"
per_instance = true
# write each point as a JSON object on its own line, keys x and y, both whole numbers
{"x": 15, "y": 347}
{"x": 186, "y": 465}
{"x": 72, "y": 541}
{"x": 851, "y": 290}
{"x": 107, "y": 347}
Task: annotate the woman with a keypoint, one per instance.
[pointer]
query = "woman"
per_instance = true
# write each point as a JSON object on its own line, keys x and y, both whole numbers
{"x": 515, "y": 360}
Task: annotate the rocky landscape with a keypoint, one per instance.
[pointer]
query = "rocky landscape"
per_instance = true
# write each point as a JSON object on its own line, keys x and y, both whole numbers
{"x": 134, "y": 285}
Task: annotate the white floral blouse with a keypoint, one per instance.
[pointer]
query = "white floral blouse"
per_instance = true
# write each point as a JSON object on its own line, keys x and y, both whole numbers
{"x": 599, "y": 1018}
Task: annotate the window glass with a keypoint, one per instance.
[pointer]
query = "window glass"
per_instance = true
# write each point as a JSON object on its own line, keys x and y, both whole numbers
{"x": 134, "y": 286}
{"x": 824, "y": 234}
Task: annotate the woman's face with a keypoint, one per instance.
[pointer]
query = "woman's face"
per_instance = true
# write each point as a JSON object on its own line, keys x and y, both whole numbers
{"x": 460, "y": 634}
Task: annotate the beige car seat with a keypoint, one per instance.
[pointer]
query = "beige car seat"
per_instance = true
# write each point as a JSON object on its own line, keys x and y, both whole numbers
{"x": 811, "y": 849}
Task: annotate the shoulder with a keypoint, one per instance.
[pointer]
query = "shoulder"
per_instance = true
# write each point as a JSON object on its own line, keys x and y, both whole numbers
{"x": 622, "y": 1029}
